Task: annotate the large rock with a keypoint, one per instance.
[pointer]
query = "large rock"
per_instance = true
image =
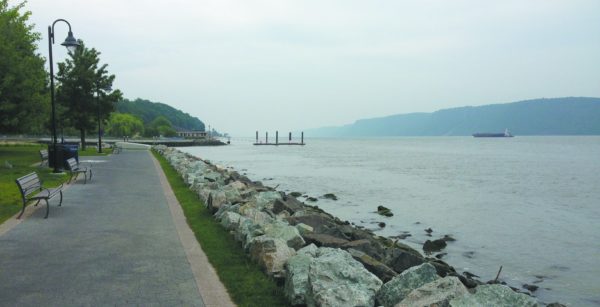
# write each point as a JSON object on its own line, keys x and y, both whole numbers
{"x": 256, "y": 215}
{"x": 271, "y": 254}
{"x": 435, "y": 293}
{"x": 379, "y": 269}
{"x": 282, "y": 230}
{"x": 230, "y": 220}
{"x": 296, "y": 279}
{"x": 494, "y": 295}
{"x": 394, "y": 291}
{"x": 323, "y": 240}
{"x": 289, "y": 204}
{"x": 246, "y": 231}
{"x": 401, "y": 257}
{"x": 336, "y": 279}
{"x": 266, "y": 199}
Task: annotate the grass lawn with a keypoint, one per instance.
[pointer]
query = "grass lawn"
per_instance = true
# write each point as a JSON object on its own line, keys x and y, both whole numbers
{"x": 244, "y": 280}
{"x": 21, "y": 157}
{"x": 93, "y": 151}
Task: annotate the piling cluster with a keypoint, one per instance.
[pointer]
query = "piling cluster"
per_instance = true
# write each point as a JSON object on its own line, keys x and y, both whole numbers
{"x": 322, "y": 260}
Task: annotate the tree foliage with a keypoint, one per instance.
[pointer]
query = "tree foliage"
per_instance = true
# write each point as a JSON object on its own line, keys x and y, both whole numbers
{"x": 121, "y": 124}
{"x": 24, "y": 103}
{"x": 85, "y": 90}
{"x": 148, "y": 111}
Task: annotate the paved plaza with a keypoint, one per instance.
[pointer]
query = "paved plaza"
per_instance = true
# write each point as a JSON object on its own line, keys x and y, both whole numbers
{"x": 113, "y": 242}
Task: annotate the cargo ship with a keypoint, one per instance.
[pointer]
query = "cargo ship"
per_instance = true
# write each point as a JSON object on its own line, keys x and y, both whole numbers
{"x": 506, "y": 134}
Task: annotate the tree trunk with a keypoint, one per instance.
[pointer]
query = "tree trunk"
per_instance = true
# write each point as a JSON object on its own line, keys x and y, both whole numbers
{"x": 82, "y": 133}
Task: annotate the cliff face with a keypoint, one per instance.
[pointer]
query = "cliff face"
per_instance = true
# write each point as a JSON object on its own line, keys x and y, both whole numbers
{"x": 556, "y": 116}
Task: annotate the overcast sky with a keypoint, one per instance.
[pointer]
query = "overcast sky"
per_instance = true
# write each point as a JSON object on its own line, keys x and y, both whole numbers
{"x": 290, "y": 65}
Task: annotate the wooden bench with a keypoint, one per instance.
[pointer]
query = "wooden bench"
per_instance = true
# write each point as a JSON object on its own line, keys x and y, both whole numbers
{"x": 76, "y": 169}
{"x": 31, "y": 188}
{"x": 44, "y": 157}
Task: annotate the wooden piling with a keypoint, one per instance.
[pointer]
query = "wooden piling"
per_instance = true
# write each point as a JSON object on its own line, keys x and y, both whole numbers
{"x": 256, "y": 136}
{"x": 302, "y": 138}
{"x": 276, "y": 137}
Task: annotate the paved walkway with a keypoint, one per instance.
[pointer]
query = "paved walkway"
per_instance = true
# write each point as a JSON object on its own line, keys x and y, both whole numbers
{"x": 113, "y": 242}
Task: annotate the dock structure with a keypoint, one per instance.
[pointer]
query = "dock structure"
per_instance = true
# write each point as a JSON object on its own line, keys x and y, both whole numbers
{"x": 277, "y": 143}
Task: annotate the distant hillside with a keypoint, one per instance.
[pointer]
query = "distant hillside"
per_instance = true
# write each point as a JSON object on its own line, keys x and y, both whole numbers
{"x": 148, "y": 111}
{"x": 556, "y": 116}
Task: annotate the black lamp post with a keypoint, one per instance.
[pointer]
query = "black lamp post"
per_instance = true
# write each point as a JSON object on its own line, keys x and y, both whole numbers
{"x": 99, "y": 120}
{"x": 71, "y": 44}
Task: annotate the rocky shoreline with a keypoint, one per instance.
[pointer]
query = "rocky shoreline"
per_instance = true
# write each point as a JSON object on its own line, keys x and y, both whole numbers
{"x": 324, "y": 261}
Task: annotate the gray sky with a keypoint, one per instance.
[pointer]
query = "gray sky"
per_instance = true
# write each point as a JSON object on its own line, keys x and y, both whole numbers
{"x": 289, "y": 65}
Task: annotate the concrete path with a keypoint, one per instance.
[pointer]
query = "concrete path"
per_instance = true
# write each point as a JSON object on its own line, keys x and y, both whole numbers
{"x": 113, "y": 242}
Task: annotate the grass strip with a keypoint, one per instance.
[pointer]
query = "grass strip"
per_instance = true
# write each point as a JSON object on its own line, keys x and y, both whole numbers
{"x": 246, "y": 283}
{"x": 16, "y": 160}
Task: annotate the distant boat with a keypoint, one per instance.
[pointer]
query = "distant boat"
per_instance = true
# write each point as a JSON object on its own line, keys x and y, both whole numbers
{"x": 506, "y": 134}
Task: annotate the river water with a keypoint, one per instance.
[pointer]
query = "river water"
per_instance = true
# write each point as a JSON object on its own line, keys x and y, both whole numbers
{"x": 530, "y": 204}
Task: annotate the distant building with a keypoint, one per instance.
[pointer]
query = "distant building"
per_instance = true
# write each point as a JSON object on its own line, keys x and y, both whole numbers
{"x": 192, "y": 134}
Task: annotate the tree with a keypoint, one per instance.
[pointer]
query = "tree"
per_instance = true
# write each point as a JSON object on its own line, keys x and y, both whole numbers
{"x": 121, "y": 124}
{"x": 24, "y": 101}
{"x": 85, "y": 90}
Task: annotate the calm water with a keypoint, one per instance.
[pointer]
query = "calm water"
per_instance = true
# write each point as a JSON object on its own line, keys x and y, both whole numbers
{"x": 531, "y": 204}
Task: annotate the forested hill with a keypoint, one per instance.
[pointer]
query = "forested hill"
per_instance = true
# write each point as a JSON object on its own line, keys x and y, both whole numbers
{"x": 148, "y": 111}
{"x": 556, "y": 116}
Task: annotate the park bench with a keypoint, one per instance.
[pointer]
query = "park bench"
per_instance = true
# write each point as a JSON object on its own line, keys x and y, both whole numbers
{"x": 75, "y": 169}
{"x": 44, "y": 157}
{"x": 116, "y": 149}
{"x": 31, "y": 188}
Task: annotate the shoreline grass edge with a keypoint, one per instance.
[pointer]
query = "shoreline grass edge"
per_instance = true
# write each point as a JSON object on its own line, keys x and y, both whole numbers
{"x": 246, "y": 283}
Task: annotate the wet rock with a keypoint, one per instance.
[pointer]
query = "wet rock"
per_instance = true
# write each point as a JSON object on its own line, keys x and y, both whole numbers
{"x": 441, "y": 267}
{"x": 470, "y": 275}
{"x": 494, "y": 295}
{"x": 401, "y": 236}
{"x": 394, "y": 291}
{"x": 295, "y": 194}
{"x": 429, "y": 230}
{"x": 311, "y": 199}
{"x": 467, "y": 282}
{"x": 448, "y": 238}
{"x": 336, "y": 279}
{"x": 555, "y": 304}
{"x": 330, "y": 196}
{"x": 271, "y": 254}
{"x": 381, "y": 224}
{"x": 531, "y": 288}
{"x": 290, "y": 205}
{"x": 433, "y": 246}
{"x": 380, "y": 270}
{"x": 401, "y": 257}
{"x": 435, "y": 293}
{"x": 440, "y": 255}
{"x": 381, "y": 210}
{"x": 324, "y": 240}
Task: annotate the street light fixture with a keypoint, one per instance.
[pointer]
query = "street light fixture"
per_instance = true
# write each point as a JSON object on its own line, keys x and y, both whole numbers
{"x": 71, "y": 44}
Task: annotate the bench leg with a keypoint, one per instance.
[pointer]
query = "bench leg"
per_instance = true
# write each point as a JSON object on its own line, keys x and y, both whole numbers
{"x": 22, "y": 210}
{"x": 60, "y": 203}
{"x": 70, "y": 178}
{"x": 47, "y": 208}
{"x": 90, "y": 174}
{"x": 37, "y": 203}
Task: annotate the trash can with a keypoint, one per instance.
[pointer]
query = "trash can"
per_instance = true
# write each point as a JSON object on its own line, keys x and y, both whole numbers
{"x": 70, "y": 151}
{"x": 64, "y": 152}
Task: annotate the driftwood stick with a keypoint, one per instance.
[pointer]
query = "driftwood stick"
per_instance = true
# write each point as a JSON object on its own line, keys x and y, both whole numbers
{"x": 498, "y": 275}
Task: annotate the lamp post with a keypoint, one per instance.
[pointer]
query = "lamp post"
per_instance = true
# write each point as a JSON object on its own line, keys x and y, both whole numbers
{"x": 100, "y": 120}
{"x": 71, "y": 44}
